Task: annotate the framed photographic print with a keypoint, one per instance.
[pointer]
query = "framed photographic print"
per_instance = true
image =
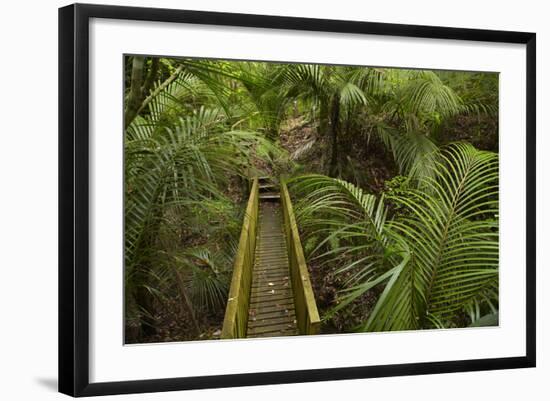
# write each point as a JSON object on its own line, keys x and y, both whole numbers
{"x": 250, "y": 199}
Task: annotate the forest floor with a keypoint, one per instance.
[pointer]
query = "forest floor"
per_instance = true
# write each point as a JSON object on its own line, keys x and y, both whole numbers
{"x": 367, "y": 164}
{"x": 174, "y": 323}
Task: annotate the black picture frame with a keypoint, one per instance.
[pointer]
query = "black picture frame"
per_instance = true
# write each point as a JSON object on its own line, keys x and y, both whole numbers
{"x": 74, "y": 198}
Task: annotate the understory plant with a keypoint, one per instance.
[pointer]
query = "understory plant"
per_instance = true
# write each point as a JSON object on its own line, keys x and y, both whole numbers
{"x": 433, "y": 263}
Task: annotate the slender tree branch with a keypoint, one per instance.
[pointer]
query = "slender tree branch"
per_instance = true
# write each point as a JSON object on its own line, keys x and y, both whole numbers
{"x": 159, "y": 89}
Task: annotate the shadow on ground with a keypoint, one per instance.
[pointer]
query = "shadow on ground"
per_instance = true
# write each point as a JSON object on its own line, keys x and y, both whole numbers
{"x": 48, "y": 382}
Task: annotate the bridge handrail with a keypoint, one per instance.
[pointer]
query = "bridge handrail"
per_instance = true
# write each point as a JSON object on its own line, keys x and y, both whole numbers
{"x": 307, "y": 315}
{"x": 236, "y": 313}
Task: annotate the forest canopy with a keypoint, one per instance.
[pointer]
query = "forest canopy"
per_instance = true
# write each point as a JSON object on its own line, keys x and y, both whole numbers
{"x": 393, "y": 175}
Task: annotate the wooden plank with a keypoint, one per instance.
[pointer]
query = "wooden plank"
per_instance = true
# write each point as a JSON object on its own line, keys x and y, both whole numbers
{"x": 267, "y": 308}
{"x": 267, "y": 284}
{"x": 273, "y": 250}
{"x": 267, "y": 278}
{"x": 268, "y": 311}
{"x": 284, "y": 328}
{"x": 272, "y": 275}
{"x": 269, "y": 196}
{"x": 280, "y": 285}
{"x": 273, "y": 257}
{"x": 276, "y": 298}
{"x": 277, "y": 277}
{"x": 256, "y": 321}
{"x": 275, "y": 272}
{"x": 278, "y": 272}
{"x": 273, "y": 331}
{"x": 268, "y": 295}
{"x": 273, "y": 265}
{"x": 273, "y": 269}
{"x": 271, "y": 314}
{"x": 267, "y": 267}
{"x": 275, "y": 282}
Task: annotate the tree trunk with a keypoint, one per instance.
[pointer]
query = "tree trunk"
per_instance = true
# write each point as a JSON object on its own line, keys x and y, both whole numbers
{"x": 334, "y": 126}
{"x": 323, "y": 119}
{"x": 135, "y": 95}
{"x": 151, "y": 77}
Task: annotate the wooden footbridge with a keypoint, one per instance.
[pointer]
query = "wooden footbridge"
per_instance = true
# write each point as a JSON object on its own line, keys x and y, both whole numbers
{"x": 270, "y": 292}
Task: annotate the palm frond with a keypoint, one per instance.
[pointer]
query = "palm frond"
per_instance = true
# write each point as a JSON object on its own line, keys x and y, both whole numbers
{"x": 452, "y": 238}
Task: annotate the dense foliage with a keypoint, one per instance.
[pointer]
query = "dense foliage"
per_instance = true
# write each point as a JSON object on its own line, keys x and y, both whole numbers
{"x": 393, "y": 172}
